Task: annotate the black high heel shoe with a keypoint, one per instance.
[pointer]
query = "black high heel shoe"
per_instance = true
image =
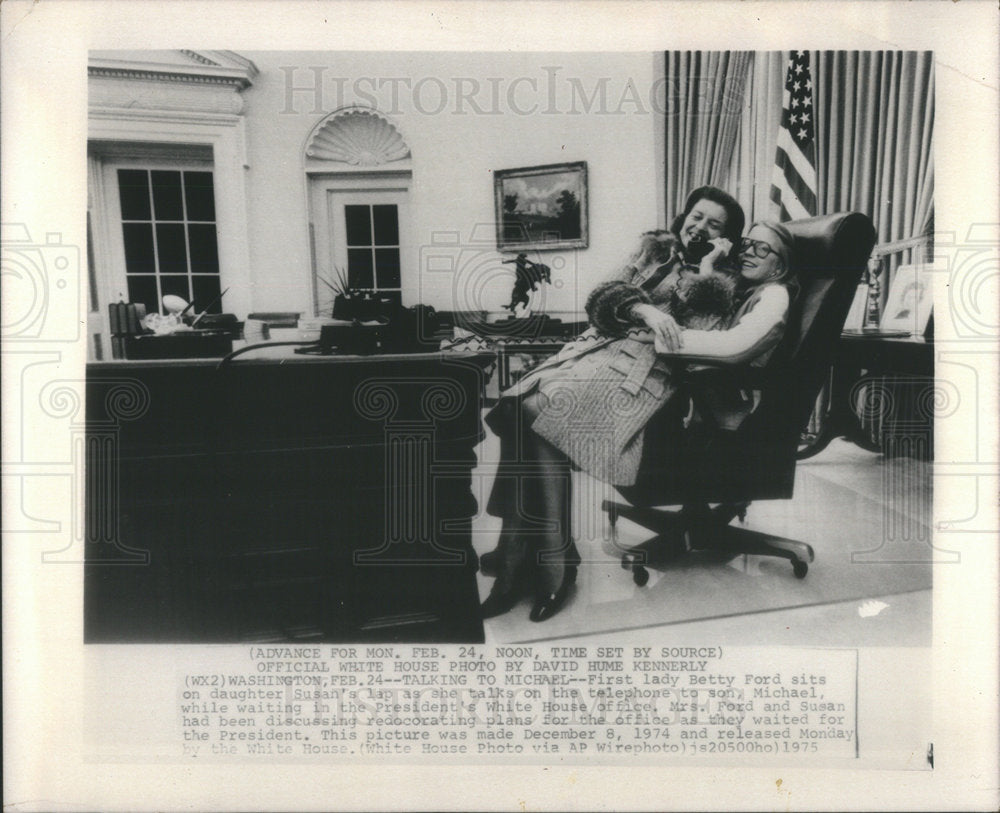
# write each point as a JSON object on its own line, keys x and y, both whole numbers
{"x": 547, "y": 605}
{"x": 499, "y": 602}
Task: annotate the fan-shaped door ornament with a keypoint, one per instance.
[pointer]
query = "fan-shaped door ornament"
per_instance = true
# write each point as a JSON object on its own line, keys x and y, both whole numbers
{"x": 357, "y": 136}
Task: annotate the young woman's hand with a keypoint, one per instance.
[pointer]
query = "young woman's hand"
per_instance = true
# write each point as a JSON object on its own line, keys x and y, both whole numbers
{"x": 720, "y": 250}
{"x": 666, "y": 331}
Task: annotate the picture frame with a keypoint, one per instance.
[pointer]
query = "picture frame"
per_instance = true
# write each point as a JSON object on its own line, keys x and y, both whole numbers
{"x": 541, "y": 207}
{"x": 909, "y": 301}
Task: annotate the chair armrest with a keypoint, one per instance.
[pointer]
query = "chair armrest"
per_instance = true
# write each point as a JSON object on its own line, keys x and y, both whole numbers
{"x": 712, "y": 372}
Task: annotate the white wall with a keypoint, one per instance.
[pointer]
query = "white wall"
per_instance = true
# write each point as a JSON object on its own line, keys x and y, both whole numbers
{"x": 454, "y": 152}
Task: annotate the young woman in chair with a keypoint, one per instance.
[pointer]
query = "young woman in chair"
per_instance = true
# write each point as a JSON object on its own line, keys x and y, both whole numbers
{"x": 587, "y": 406}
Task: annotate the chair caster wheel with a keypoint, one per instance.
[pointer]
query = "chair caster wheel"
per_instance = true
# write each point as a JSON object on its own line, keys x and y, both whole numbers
{"x": 626, "y": 562}
{"x": 640, "y": 575}
{"x": 800, "y": 568}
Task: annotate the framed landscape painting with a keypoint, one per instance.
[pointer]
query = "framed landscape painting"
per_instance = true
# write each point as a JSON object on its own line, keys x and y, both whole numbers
{"x": 543, "y": 207}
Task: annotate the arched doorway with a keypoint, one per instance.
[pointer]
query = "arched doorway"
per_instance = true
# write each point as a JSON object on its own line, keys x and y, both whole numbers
{"x": 358, "y": 169}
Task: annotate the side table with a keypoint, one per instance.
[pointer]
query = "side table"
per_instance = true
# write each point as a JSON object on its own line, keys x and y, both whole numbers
{"x": 897, "y": 370}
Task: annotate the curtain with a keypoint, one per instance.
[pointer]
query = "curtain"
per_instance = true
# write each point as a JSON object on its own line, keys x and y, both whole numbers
{"x": 874, "y": 132}
{"x": 875, "y": 138}
{"x": 874, "y": 116}
{"x": 753, "y": 158}
{"x": 705, "y": 99}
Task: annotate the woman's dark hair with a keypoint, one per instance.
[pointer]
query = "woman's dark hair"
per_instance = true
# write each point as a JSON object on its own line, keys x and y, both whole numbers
{"x": 735, "y": 219}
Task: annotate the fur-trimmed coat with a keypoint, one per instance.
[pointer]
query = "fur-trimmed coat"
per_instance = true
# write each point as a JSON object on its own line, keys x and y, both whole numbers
{"x": 601, "y": 390}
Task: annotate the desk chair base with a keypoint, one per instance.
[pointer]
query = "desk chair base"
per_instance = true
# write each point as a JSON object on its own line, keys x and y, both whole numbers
{"x": 699, "y": 528}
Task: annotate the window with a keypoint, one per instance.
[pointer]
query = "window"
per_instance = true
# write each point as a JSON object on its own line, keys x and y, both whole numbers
{"x": 169, "y": 236}
{"x": 372, "y": 246}
{"x": 362, "y": 236}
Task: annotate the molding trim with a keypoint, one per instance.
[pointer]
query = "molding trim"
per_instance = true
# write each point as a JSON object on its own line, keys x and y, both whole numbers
{"x": 128, "y": 95}
{"x": 112, "y": 114}
{"x": 221, "y": 76}
{"x": 207, "y": 68}
{"x": 204, "y": 60}
{"x": 356, "y": 136}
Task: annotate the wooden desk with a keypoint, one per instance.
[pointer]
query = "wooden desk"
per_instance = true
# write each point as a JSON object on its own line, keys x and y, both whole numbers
{"x": 878, "y": 396}
{"x": 306, "y": 497}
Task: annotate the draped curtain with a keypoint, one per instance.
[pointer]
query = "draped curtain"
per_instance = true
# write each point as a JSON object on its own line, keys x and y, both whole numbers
{"x": 874, "y": 132}
{"x": 875, "y": 136}
{"x": 753, "y": 158}
{"x": 704, "y": 105}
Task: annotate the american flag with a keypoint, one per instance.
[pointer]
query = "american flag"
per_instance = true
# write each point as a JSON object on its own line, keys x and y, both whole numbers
{"x": 793, "y": 183}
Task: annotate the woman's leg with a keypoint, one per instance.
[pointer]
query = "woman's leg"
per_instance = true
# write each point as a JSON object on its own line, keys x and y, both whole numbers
{"x": 552, "y": 555}
{"x": 532, "y": 494}
{"x": 508, "y": 560}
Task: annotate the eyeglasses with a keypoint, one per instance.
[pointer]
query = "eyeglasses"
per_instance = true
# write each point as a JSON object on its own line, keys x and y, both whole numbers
{"x": 760, "y": 249}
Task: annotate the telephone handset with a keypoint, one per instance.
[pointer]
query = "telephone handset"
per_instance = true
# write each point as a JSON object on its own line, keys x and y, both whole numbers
{"x": 697, "y": 249}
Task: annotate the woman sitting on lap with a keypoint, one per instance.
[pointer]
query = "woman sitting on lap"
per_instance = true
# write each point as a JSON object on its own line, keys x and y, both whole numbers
{"x": 587, "y": 407}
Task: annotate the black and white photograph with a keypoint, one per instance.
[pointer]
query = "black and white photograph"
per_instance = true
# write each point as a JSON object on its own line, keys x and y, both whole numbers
{"x": 549, "y": 410}
{"x": 344, "y": 473}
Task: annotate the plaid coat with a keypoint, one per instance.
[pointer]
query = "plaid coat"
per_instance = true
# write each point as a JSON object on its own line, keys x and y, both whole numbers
{"x": 600, "y": 392}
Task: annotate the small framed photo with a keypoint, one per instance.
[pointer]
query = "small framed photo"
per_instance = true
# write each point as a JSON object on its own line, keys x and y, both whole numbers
{"x": 543, "y": 207}
{"x": 908, "y": 305}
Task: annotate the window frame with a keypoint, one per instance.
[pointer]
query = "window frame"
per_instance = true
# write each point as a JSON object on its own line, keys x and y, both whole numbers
{"x": 127, "y": 134}
{"x": 365, "y": 184}
{"x": 118, "y": 277}
{"x": 369, "y": 199}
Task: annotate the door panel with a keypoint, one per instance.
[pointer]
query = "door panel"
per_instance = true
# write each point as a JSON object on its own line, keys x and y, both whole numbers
{"x": 360, "y": 235}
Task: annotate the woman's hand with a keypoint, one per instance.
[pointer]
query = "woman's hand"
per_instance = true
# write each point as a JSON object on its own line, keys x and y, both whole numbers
{"x": 666, "y": 332}
{"x": 720, "y": 250}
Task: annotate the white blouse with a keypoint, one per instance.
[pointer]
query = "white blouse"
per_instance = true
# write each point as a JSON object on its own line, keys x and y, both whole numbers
{"x": 757, "y": 330}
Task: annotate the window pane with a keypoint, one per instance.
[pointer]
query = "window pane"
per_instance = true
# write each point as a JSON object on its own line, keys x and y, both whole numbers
{"x": 199, "y": 193}
{"x": 133, "y": 192}
{"x": 386, "y": 225}
{"x": 204, "y": 249}
{"x": 176, "y": 284}
{"x": 357, "y": 219}
{"x": 205, "y": 290}
{"x": 387, "y": 267}
{"x": 167, "y": 195}
{"x": 143, "y": 289}
{"x": 170, "y": 248}
{"x": 359, "y": 268}
{"x": 138, "y": 239}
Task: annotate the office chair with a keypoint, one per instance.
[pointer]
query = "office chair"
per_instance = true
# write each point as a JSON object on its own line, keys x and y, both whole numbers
{"x": 703, "y": 464}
